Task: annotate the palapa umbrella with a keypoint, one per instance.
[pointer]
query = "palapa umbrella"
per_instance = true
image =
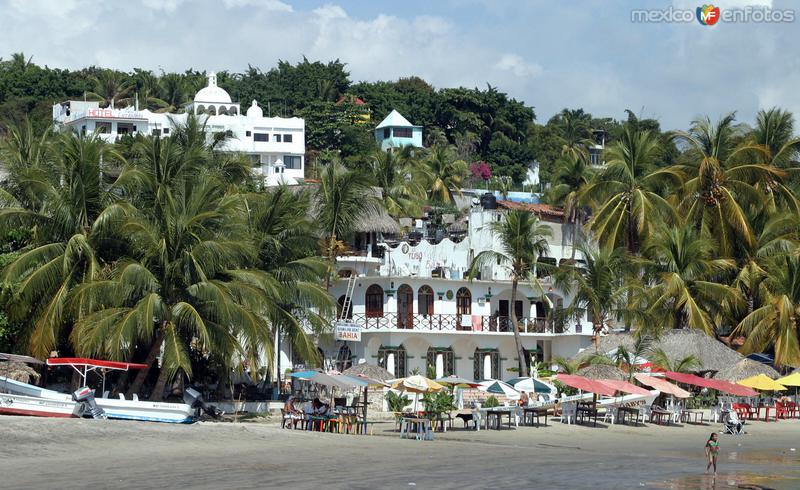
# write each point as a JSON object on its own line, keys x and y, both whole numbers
{"x": 601, "y": 371}
{"x": 531, "y": 385}
{"x": 762, "y": 382}
{"x": 376, "y": 376}
{"x": 662, "y": 385}
{"x": 18, "y": 371}
{"x": 499, "y": 388}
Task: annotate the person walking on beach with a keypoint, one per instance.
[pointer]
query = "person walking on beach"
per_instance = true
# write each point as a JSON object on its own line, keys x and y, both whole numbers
{"x": 712, "y": 451}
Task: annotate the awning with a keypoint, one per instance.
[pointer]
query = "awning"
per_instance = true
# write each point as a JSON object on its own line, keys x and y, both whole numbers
{"x": 93, "y": 363}
{"x": 662, "y": 385}
{"x": 714, "y": 384}
{"x": 586, "y": 384}
{"x": 625, "y": 387}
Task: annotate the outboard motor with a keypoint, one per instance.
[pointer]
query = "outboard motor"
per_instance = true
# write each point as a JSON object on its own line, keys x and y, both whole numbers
{"x": 194, "y": 399}
{"x": 85, "y": 396}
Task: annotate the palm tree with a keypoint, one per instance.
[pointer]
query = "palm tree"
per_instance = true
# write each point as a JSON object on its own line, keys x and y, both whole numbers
{"x": 720, "y": 187}
{"x": 776, "y": 323}
{"x": 597, "y": 286}
{"x": 61, "y": 202}
{"x": 110, "y": 87}
{"x": 571, "y": 175}
{"x": 567, "y": 366}
{"x": 683, "y": 270}
{"x": 778, "y": 149}
{"x": 444, "y": 174}
{"x": 659, "y": 358}
{"x": 345, "y": 197}
{"x": 399, "y": 181}
{"x": 574, "y": 132}
{"x": 522, "y": 239}
{"x": 626, "y": 202}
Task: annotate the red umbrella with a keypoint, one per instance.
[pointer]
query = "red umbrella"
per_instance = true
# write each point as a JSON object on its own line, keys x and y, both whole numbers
{"x": 714, "y": 384}
{"x": 625, "y": 387}
{"x": 586, "y": 384}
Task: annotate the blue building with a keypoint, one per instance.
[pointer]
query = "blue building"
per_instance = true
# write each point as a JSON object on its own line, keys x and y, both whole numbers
{"x": 395, "y": 131}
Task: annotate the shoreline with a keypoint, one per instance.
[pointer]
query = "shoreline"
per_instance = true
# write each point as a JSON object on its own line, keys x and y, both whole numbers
{"x": 79, "y": 453}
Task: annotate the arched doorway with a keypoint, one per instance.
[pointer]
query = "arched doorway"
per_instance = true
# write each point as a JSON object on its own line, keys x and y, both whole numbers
{"x": 344, "y": 358}
{"x": 340, "y": 308}
{"x": 486, "y": 364}
{"x": 393, "y": 359}
{"x": 425, "y": 304}
{"x": 373, "y": 301}
{"x": 463, "y": 309}
{"x": 441, "y": 361}
{"x": 405, "y": 307}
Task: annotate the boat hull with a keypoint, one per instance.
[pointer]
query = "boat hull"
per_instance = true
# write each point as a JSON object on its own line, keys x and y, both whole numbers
{"x": 146, "y": 411}
{"x": 37, "y": 407}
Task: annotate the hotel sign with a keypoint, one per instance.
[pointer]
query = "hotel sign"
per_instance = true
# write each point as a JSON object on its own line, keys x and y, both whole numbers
{"x": 114, "y": 114}
{"x": 347, "y": 331}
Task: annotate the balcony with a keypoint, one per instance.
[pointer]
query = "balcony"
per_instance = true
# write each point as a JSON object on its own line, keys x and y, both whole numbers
{"x": 457, "y": 323}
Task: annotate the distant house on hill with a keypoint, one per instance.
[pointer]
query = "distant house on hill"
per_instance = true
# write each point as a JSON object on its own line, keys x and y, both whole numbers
{"x": 395, "y": 131}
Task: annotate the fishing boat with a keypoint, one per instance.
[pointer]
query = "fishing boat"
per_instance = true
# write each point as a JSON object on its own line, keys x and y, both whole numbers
{"x": 15, "y": 399}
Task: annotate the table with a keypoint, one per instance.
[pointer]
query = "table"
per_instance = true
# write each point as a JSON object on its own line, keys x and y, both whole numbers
{"x": 498, "y": 413}
{"x": 534, "y": 412}
{"x": 767, "y": 408}
{"x": 691, "y": 416}
{"x": 660, "y": 416}
{"x": 419, "y": 427}
{"x": 586, "y": 411}
{"x": 630, "y": 413}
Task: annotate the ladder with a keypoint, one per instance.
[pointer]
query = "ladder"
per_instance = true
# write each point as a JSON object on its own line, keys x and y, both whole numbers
{"x": 348, "y": 297}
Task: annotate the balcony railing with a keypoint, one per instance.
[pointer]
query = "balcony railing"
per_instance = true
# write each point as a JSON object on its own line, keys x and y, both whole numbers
{"x": 456, "y": 323}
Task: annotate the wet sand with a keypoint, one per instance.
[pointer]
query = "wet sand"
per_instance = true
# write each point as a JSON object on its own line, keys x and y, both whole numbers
{"x": 71, "y": 453}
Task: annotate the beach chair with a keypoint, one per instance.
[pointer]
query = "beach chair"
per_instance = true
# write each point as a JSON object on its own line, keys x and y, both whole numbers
{"x": 731, "y": 423}
{"x": 611, "y": 414}
{"x": 477, "y": 416}
{"x": 569, "y": 412}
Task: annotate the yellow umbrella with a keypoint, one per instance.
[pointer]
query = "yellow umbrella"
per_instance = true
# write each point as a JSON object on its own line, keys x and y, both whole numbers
{"x": 761, "y": 382}
{"x": 416, "y": 384}
{"x": 791, "y": 380}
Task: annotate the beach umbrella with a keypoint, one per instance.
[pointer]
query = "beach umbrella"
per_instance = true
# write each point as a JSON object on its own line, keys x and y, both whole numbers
{"x": 416, "y": 384}
{"x": 457, "y": 382}
{"x": 498, "y": 387}
{"x": 662, "y": 385}
{"x": 791, "y": 380}
{"x": 586, "y": 384}
{"x": 531, "y": 385}
{"x": 762, "y": 382}
{"x": 304, "y": 375}
{"x": 625, "y": 387}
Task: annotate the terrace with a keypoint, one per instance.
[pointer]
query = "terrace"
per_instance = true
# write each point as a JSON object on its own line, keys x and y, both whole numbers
{"x": 462, "y": 323}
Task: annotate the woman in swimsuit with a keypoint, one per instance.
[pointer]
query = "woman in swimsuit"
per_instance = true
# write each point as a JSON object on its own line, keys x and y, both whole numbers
{"x": 712, "y": 450}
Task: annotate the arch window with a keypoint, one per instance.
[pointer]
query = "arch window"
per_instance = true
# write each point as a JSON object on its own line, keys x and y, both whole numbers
{"x": 486, "y": 364}
{"x": 223, "y": 111}
{"x": 405, "y": 307}
{"x": 441, "y": 361}
{"x": 373, "y": 301}
{"x": 201, "y": 109}
{"x": 463, "y": 302}
{"x": 393, "y": 359}
{"x": 425, "y": 301}
{"x": 344, "y": 358}
{"x": 212, "y": 111}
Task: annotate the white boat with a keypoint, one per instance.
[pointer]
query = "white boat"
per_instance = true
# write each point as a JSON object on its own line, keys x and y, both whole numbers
{"x": 11, "y": 404}
{"x": 114, "y": 408}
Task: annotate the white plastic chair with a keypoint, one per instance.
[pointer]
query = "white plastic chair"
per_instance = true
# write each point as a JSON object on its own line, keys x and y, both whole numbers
{"x": 568, "y": 412}
{"x": 477, "y": 416}
{"x": 611, "y": 414}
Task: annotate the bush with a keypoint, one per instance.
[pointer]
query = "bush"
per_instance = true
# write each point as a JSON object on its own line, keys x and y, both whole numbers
{"x": 396, "y": 401}
{"x": 491, "y": 402}
{"x": 438, "y": 403}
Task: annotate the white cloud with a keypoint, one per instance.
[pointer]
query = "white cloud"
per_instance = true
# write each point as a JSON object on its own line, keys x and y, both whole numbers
{"x": 518, "y": 66}
{"x": 163, "y": 5}
{"x": 269, "y": 5}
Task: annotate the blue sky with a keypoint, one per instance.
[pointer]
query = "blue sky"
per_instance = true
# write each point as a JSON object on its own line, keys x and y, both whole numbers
{"x": 584, "y": 54}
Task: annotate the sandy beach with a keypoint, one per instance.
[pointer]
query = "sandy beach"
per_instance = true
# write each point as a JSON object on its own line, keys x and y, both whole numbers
{"x": 72, "y": 453}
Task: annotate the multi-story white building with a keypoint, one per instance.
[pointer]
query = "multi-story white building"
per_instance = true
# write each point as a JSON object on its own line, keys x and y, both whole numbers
{"x": 415, "y": 306}
{"x": 276, "y": 145}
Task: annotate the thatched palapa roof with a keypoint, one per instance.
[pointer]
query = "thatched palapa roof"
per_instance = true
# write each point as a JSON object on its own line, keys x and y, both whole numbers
{"x": 370, "y": 371}
{"x": 18, "y": 372}
{"x": 744, "y": 369}
{"x": 713, "y": 354}
{"x": 377, "y": 220}
{"x": 601, "y": 371}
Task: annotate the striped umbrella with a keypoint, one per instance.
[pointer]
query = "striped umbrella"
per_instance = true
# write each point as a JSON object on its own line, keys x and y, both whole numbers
{"x": 531, "y": 385}
{"x": 498, "y": 387}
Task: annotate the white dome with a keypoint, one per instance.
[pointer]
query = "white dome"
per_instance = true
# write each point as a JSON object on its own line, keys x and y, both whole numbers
{"x": 255, "y": 111}
{"x": 273, "y": 180}
{"x": 212, "y": 93}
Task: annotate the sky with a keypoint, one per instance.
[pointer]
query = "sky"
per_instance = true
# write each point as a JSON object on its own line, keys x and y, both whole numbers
{"x": 548, "y": 54}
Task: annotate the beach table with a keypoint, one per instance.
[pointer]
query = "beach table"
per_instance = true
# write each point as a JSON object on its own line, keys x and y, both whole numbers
{"x": 534, "y": 412}
{"x": 587, "y": 412}
{"x": 692, "y": 416}
{"x": 498, "y": 412}
{"x": 418, "y": 427}
{"x": 630, "y": 413}
{"x": 661, "y": 416}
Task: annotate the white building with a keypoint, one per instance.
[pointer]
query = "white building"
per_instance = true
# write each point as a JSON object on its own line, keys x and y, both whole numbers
{"x": 276, "y": 145}
{"x": 416, "y": 308}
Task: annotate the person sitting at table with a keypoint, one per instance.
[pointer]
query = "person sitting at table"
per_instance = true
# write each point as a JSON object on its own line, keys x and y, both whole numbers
{"x": 292, "y": 411}
{"x": 523, "y": 399}
{"x": 319, "y": 408}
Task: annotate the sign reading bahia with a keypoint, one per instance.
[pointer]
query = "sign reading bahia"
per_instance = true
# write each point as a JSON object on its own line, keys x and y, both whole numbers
{"x": 347, "y": 331}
